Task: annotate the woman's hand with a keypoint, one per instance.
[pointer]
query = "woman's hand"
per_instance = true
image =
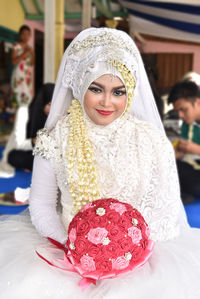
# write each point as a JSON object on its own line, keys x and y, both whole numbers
{"x": 27, "y": 51}
{"x": 178, "y": 154}
{"x": 16, "y": 59}
{"x": 188, "y": 147}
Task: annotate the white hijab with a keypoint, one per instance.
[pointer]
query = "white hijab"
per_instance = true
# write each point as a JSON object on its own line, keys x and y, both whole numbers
{"x": 87, "y": 58}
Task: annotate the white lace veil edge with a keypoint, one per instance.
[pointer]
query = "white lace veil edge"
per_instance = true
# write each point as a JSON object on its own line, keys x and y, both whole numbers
{"x": 143, "y": 105}
{"x": 61, "y": 99}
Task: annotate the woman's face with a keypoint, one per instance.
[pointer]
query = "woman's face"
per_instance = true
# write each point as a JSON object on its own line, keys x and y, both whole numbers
{"x": 105, "y": 99}
{"x": 25, "y": 36}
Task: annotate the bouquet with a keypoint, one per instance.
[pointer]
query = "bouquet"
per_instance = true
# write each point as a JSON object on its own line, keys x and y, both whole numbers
{"x": 105, "y": 239}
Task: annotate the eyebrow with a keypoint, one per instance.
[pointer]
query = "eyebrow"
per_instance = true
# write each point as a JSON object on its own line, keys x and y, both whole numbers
{"x": 101, "y": 86}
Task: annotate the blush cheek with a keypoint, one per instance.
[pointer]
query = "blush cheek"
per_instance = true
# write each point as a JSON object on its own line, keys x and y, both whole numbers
{"x": 122, "y": 105}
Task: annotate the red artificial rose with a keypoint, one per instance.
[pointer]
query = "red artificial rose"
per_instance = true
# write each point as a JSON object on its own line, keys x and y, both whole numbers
{"x": 94, "y": 251}
{"x": 81, "y": 245}
{"x": 83, "y": 227}
{"x": 74, "y": 223}
{"x": 97, "y": 221}
{"x": 125, "y": 243}
{"x": 103, "y": 265}
{"x": 114, "y": 232}
{"x": 88, "y": 213}
{"x": 112, "y": 250}
{"x": 130, "y": 214}
{"x": 113, "y": 216}
{"x": 98, "y": 203}
{"x": 124, "y": 223}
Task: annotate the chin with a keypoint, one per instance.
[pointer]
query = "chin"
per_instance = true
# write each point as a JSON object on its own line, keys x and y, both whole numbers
{"x": 102, "y": 122}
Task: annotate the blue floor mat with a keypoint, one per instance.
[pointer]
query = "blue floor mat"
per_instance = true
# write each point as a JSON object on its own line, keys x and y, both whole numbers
{"x": 21, "y": 179}
{"x": 12, "y": 210}
{"x": 193, "y": 213}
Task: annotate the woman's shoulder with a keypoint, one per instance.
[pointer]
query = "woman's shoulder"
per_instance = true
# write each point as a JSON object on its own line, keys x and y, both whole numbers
{"x": 61, "y": 125}
{"x": 44, "y": 144}
{"x": 49, "y": 141}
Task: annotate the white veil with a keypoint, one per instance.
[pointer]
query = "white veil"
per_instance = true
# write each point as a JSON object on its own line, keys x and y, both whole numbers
{"x": 95, "y": 45}
{"x": 88, "y": 53}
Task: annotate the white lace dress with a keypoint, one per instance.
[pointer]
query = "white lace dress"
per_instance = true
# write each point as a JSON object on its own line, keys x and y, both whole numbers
{"x": 135, "y": 164}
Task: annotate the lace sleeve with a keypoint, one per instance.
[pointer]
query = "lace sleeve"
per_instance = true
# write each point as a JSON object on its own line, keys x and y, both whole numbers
{"x": 49, "y": 143}
{"x": 45, "y": 145}
{"x": 164, "y": 189}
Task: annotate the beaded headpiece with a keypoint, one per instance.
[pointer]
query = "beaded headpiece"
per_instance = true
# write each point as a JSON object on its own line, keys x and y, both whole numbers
{"x": 92, "y": 56}
{"x": 95, "y": 46}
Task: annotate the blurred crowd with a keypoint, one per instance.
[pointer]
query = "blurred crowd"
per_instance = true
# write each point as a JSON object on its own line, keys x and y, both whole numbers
{"x": 28, "y": 114}
{"x": 185, "y": 98}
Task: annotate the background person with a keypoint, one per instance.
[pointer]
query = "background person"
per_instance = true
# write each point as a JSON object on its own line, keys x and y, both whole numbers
{"x": 21, "y": 93}
{"x": 185, "y": 97}
{"x": 38, "y": 112}
{"x": 22, "y": 59}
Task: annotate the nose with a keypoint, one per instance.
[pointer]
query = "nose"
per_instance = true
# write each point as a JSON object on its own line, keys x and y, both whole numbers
{"x": 106, "y": 99}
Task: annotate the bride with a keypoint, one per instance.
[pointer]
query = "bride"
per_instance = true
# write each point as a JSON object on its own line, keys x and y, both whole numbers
{"x": 102, "y": 139}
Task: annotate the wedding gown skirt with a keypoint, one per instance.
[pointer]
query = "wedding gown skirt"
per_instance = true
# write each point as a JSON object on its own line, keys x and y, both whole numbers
{"x": 172, "y": 272}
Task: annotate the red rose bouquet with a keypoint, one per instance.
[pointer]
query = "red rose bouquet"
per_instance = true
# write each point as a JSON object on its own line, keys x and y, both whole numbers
{"x": 107, "y": 238}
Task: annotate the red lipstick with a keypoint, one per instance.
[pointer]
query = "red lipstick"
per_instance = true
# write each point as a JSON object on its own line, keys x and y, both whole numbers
{"x": 103, "y": 112}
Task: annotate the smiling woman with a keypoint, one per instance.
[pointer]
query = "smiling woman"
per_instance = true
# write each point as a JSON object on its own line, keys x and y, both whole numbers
{"x": 105, "y": 100}
{"x": 103, "y": 140}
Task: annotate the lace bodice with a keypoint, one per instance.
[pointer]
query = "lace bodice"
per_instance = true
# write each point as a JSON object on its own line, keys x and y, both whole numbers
{"x": 135, "y": 164}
